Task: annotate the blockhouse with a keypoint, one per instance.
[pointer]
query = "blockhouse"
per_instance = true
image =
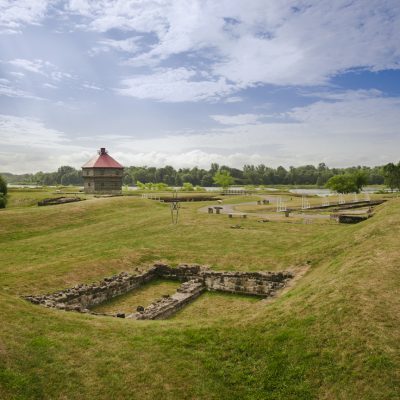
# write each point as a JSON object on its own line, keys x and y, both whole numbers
{"x": 102, "y": 174}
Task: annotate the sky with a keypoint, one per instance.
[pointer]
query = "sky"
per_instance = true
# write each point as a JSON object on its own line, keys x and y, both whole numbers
{"x": 191, "y": 82}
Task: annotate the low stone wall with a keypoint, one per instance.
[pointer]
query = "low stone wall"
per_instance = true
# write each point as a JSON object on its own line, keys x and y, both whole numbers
{"x": 58, "y": 200}
{"x": 182, "y": 273}
{"x": 169, "y": 305}
{"x": 250, "y": 283}
{"x": 82, "y": 297}
{"x": 196, "y": 279}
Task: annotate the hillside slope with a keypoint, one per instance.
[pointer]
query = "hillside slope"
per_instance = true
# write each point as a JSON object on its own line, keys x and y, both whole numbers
{"x": 334, "y": 335}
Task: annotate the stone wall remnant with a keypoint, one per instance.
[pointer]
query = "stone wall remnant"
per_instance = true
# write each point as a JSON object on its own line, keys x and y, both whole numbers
{"x": 58, "y": 200}
{"x": 195, "y": 280}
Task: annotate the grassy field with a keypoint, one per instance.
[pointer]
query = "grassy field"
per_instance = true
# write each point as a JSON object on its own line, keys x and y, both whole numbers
{"x": 333, "y": 335}
{"x": 25, "y": 197}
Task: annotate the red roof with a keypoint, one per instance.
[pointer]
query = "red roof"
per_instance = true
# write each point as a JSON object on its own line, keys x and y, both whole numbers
{"x": 103, "y": 160}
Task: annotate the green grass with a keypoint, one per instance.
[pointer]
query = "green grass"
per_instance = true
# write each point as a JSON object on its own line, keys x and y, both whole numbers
{"x": 333, "y": 335}
{"x": 29, "y": 197}
{"x": 215, "y": 305}
{"x": 142, "y": 296}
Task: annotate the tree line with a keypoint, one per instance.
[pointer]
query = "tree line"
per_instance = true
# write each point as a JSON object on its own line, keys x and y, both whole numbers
{"x": 248, "y": 175}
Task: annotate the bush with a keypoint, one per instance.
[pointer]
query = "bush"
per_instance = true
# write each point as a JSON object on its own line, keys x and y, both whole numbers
{"x": 3, "y": 200}
{"x": 187, "y": 187}
{"x": 3, "y": 185}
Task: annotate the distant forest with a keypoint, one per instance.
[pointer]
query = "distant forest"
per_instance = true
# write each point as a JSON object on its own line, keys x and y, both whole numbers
{"x": 249, "y": 175}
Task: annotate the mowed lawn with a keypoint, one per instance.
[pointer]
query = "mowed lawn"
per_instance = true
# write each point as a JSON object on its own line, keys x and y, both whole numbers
{"x": 333, "y": 335}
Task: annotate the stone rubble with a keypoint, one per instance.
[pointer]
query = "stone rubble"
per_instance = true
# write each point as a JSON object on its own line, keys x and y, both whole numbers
{"x": 195, "y": 280}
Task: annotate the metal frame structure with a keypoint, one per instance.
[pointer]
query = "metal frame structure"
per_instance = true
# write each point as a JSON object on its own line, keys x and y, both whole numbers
{"x": 175, "y": 206}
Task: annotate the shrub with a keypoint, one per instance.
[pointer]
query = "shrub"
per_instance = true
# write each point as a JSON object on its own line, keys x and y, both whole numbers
{"x": 3, "y": 200}
{"x": 3, "y": 185}
{"x": 187, "y": 187}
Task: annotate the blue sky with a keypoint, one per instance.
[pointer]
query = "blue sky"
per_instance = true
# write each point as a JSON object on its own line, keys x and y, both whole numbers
{"x": 185, "y": 83}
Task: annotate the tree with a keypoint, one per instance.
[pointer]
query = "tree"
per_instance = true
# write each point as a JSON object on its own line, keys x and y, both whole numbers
{"x": 206, "y": 180}
{"x": 223, "y": 178}
{"x": 360, "y": 180}
{"x": 3, "y": 186}
{"x": 214, "y": 168}
{"x": 392, "y": 175}
{"x": 342, "y": 183}
{"x": 127, "y": 180}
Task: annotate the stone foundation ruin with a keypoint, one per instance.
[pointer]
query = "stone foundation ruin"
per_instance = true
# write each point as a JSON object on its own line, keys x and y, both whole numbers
{"x": 195, "y": 280}
{"x": 58, "y": 200}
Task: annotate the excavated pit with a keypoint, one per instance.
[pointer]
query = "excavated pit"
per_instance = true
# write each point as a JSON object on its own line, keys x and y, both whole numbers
{"x": 195, "y": 280}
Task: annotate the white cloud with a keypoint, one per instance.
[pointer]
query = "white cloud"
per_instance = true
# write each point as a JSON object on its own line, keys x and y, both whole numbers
{"x": 104, "y": 15}
{"x": 9, "y": 91}
{"x": 129, "y": 45}
{"x": 50, "y": 86}
{"x": 91, "y": 86}
{"x": 17, "y": 74}
{"x": 275, "y": 42}
{"x": 356, "y": 129}
{"x": 359, "y": 94}
{"x": 353, "y": 112}
{"x": 240, "y": 45}
{"x": 203, "y": 50}
{"x": 37, "y": 66}
{"x": 187, "y": 159}
{"x": 174, "y": 85}
{"x": 44, "y": 69}
{"x": 234, "y": 99}
{"x": 41, "y": 67}
{"x": 29, "y": 132}
{"x": 344, "y": 132}
{"x": 60, "y": 76}
{"x": 239, "y": 119}
{"x": 28, "y": 145}
{"x": 14, "y": 15}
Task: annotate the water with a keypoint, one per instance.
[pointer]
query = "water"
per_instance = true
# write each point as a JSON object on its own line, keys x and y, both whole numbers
{"x": 328, "y": 192}
{"x": 315, "y": 192}
{"x": 11, "y": 185}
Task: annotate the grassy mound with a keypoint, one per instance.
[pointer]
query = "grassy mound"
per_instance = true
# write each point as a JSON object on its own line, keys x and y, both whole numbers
{"x": 333, "y": 335}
